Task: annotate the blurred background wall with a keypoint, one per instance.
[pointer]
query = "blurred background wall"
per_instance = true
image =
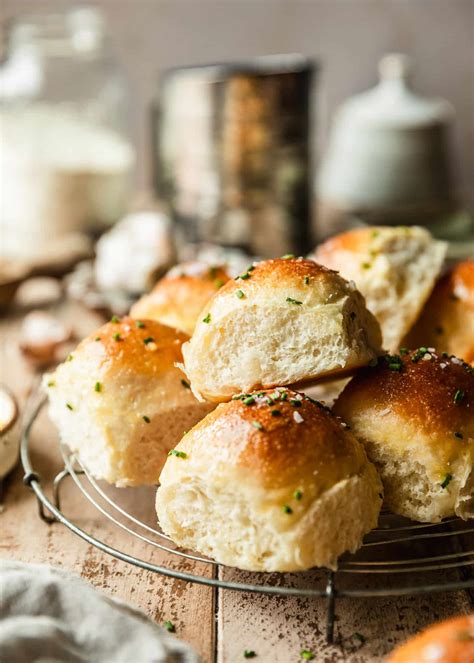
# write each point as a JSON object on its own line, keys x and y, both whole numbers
{"x": 347, "y": 36}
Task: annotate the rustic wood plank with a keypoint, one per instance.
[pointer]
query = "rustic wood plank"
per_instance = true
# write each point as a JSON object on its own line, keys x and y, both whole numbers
{"x": 26, "y": 538}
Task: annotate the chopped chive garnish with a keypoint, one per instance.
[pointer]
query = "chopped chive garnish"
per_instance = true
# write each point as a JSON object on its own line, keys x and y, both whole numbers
{"x": 146, "y": 419}
{"x": 283, "y": 395}
{"x": 290, "y": 300}
{"x": 257, "y": 425}
{"x": 358, "y": 636}
{"x": 213, "y": 272}
{"x": 218, "y": 283}
{"x": 250, "y": 268}
{"x": 207, "y": 319}
{"x": 98, "y": 387}
{"x": 306, "y": 280}
{"x": 169, "y": 626}
{"x": 375, "y": 233}
{"x": 115, "y": 319}
{"x": 297, "y": 494}
{"x": 178, "y": 454}
{"x": 148, "y": 339}
{"x": 117, "y": 337}
{"x": 307, "y": 654}
{"x": 287, "y": 256}
{"x": 404, "y": 351}
{"x": 240, "y": 294}
{"x": 97, "y": 338}
{"x": 458, "y": 396}
{"x": 249, "y": 653}
{"x": 446, "y": 481}
{"x": 244, "y": 276}
{"x": 70, "y": 358}
{"x": 458, "y": 435}
{"x": 366, "y": 265}
{"x": 276, "y": 413}
{"x": 185, "y": 383}
{"x": 51, "y": 383}
{"x": 140, "y": 324}
{"x": 69, "y": 406}
{"x": 295, "y": 402}
{"x": 287, "y": 509}
{"x": 248, "y": 400}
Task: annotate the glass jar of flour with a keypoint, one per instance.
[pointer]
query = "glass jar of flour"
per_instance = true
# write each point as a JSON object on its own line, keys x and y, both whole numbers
{"x": 65, "y": 157}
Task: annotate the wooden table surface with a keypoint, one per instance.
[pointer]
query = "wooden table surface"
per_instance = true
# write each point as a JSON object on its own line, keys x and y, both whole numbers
{"x": 219, "y": 624}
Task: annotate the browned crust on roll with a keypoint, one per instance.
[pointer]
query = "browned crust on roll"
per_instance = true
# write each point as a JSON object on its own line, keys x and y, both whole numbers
{"x": 454, "y": 638}
{"x": 144, "y": 346}
{"x": 247, "y": 433}
{"x": 425, "y": 391}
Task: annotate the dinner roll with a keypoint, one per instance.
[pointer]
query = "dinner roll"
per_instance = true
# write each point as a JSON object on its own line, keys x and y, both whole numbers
{"x": 447, "y": 320}
{"x": 271, "y": 481}
{"x": 281, "y": 322}
{"x": 450, "y": 641}
{"x": 179, "y": 297}
{"x": 120, "y": 403}
{"x": 395, "y": 269}
{"x": 415, "y": 416}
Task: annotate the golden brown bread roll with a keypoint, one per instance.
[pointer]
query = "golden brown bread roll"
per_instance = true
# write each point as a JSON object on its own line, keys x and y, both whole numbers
{"x": 270, "y": 481}
{"x": 179, "y": 297}
{"x": 450, "y": 641}
{"x": 447, "y": 320}
{"x": 281, "y": 322}
{"x": 395, "y": 268}
{"x": 415, "y": 416}
{"x": 120, "y": 403}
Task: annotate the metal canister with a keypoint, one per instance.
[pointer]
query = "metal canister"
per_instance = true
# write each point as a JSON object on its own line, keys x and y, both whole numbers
{"x": 233, "y": 157}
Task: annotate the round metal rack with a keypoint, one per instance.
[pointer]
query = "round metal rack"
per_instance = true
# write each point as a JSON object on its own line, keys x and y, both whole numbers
{"x": 397, "y": 558}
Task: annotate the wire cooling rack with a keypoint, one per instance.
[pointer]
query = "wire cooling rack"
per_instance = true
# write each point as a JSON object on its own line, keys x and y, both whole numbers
{"x": 397, "y": 558}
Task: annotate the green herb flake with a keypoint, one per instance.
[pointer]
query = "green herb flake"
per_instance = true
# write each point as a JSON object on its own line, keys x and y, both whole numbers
{"x": 257, "y": 425}
{"x": 288, "y": 256}
{"x": 117, "y": 337}
{"x": 185, "y": 383}
{"x": 287, "y": 509}
{"x": 140, "y": 324}
{"x": 114, "y": 319}
{"x": 178, "y": 454}
{"x": 146, "y": 419}
{"x": 283, "y": 395}
{"x": 297, "y": 495}
{"x": 306, "y": 280}
{"x": 69, "y": 357}
{"x": 169, "y": 626}
{"x": 459, "y": 435}
{"x": 248, "y": 400}
{"x": 240, "y": 294}
{"x": 218, "y": 283}
{"x": 366, "y": 265}
{"x": 404, "y": 351}
{"x": 51, "y": 383}
{"x": 458, "y": 396}
{"x": 307, "y": 654}
{"x": 98, "y": 387}
{"x": 148, "y": 339}
{"x": 69, "y": 406}
{"x": 375, "y": 234}
{"x": 446, "y": 481}
{"x": 295, "y": 402}
{"x": 296, "y": 302}
{"x": 97, "y": 338}
{"x": 207, "y": 319}
{"x": 213, "y": 272}
{"x": 276, "y": 413}
{"x": 249, "y": 653}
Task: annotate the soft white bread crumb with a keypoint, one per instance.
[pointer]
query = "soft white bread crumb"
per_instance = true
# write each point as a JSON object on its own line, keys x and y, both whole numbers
{"x": 120, "y": 403}
{"x": 282, "y": 322}
{"x": 395, "y": 268}
{"x": 267, "y": 492}
{"x": 178, "y": 298}
{"x": 417, "y": 425}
